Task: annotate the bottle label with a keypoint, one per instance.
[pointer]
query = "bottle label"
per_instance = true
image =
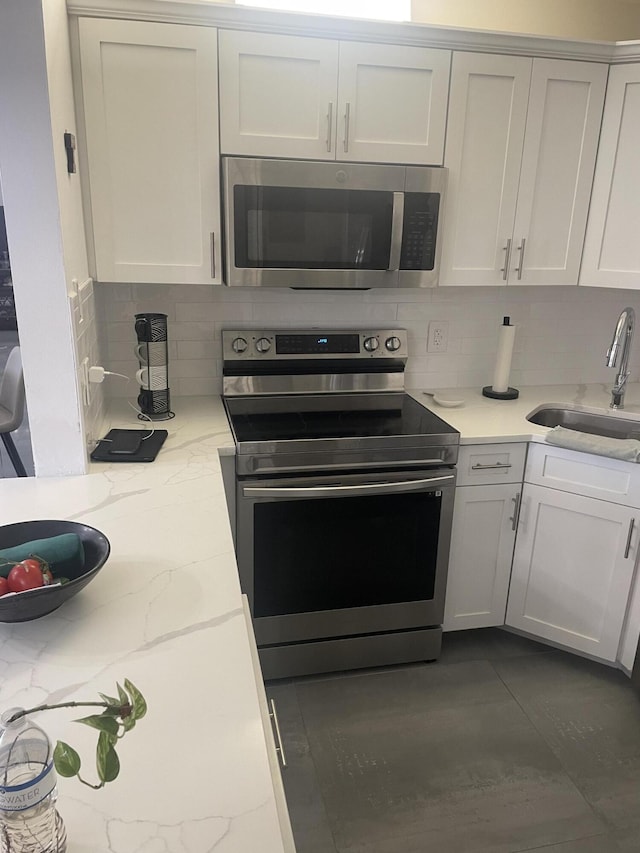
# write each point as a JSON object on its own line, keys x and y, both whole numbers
{"x": 16, "y": 798}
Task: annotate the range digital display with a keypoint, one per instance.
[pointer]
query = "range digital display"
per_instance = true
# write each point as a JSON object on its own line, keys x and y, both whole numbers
{"x": 318, "y": 343}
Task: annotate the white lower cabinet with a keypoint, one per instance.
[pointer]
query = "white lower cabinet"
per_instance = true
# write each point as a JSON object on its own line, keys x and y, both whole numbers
{"x": 484, "y": 522}
{"x": 271, "y": 731}
{"x": 572, "y": 571}
{"x": 554, "y": 556}
{"x": 631, "y": 630}
{"x": 482, "y": 542}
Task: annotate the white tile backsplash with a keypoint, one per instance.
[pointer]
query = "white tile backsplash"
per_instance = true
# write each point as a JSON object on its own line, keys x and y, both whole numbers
{"x": 562, "y": 332}
{"x": 198, "y": 349}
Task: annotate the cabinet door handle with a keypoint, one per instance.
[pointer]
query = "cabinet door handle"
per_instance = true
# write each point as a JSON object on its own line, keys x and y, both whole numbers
{"x": 276, "y": 725}
{"x": 347, "y": 118}
{"x": 521, "y": 265}
{"x": 479, "y": 467}
{"x": 329, "y": 125}
{"x": 507, "y": 255}
{"x": 627, "y": 548}
{"x": 213, "y": 254}
{"x": 516, "y": 511}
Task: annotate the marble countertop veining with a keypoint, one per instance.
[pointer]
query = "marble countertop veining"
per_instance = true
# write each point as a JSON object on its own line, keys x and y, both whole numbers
{"x": 165, "y": 612}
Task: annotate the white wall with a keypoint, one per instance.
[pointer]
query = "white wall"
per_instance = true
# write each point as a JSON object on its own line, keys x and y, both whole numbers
{"x": 594, "y": 20}
{"x": 44, "y": 223}
{"x": 562, "y": 332}
{"x": 79, "y": 286}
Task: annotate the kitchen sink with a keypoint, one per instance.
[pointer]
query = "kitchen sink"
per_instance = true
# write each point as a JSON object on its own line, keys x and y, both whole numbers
{"x": 583, "y": 420}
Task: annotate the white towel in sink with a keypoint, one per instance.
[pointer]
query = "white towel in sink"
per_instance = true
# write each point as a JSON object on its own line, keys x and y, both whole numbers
{"x": 619, "y": 448}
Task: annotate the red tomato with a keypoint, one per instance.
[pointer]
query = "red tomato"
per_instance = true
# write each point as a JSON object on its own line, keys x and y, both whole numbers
{"x": 25, "y": 575}
{"x": 4, "y": 586}
{"x": 38, "y": 563}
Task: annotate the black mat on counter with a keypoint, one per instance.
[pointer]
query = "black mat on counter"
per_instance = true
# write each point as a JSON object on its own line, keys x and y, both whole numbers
{"x": 129, "y": 445}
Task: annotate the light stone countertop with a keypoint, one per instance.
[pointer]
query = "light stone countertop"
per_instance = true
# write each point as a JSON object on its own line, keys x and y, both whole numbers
{"x": 165, "y": 612}
{"x": 482, "y": 420}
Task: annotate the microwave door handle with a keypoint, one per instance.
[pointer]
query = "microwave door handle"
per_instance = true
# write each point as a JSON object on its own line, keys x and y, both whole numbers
{"x": 397, "y": 218}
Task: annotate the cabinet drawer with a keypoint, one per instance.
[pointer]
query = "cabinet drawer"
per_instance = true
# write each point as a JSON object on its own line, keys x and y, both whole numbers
{"x": 480, "y": 464}
{"x": 583, "y": 473}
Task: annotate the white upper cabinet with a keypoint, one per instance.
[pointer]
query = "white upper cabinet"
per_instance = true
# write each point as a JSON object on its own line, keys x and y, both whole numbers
{"x": 392, "y": 104}
{"x": 521, "y": 145}
{"x": 487, "y": 117}
{"x": 151, "y": 123}
{"x": 560, "y": 147}
{"x": 277, "y": 95}
{"x": 289, "y": 96}
{"x": 612, "y": 248}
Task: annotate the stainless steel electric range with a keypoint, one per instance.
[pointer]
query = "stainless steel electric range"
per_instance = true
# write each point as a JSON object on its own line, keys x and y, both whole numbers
{"x": 344, "y": 499}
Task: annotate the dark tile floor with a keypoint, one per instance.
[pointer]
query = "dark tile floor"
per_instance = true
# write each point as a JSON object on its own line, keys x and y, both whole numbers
{"x": 503, "y": 745}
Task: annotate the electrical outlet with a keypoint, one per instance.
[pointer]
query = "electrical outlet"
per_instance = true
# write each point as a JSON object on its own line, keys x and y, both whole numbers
{"x": 438, "y": 336}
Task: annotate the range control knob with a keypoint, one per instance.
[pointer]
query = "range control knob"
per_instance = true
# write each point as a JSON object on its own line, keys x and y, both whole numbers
{"x": 239, "y": 345}
{"x": 371, "y": 344}
{"x": 393, "y": 343}
{"x": 263, "y": 345}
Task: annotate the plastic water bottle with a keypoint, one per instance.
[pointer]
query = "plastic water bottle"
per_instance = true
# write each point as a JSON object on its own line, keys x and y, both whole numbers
{"x": 29, "y": 822}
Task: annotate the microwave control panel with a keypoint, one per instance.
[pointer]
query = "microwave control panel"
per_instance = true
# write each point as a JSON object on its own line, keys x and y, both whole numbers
{"x": 420, "y": 231}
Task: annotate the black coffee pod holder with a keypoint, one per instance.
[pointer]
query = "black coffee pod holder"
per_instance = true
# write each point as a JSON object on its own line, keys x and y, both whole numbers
{"x": 154, "y": 399}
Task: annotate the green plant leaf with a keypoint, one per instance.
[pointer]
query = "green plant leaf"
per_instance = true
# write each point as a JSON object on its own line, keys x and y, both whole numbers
{"x": 128, "y": 722}
{"x": 66, "y": 760}
{"x": 102, "y": 723}
{"x": 137, "y": 700}
{"x": 124, "y": 699}
{"x": 107, "y": 761}
{"x": 110, "y": 700}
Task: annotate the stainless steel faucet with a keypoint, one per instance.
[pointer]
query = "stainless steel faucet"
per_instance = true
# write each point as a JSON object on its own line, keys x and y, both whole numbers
{"x": 622, "y": 338}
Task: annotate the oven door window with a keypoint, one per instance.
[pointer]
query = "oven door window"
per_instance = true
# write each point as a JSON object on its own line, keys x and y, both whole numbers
{"x": 301, "y": 228}
{"x": 327, "y": 554}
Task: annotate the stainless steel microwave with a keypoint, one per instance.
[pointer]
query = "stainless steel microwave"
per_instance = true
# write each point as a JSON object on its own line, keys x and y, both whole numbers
{"x": 307, "y": 224}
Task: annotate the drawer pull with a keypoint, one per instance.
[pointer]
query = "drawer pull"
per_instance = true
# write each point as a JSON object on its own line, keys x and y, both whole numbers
{"x": 479, "y": 467}
{"x": 276, "y": 725}
{"x": 629, "y": 535}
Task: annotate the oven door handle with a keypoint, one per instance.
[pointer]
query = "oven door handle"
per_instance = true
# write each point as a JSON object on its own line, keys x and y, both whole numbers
{"x": 344, "y": 491}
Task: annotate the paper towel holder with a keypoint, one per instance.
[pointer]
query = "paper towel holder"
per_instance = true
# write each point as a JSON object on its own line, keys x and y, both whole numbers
{"x": 505, "y": 348}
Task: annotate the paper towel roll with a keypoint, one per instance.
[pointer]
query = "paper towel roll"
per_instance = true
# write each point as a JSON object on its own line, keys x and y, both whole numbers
{"x": 502, "y": 369}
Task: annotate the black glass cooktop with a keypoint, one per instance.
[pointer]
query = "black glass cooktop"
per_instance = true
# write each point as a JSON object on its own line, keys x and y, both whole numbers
{"x": 331, "y": 416}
